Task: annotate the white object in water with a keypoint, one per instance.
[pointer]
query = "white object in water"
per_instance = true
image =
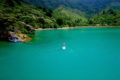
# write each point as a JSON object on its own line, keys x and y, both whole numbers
{"x": 64, "y": 48}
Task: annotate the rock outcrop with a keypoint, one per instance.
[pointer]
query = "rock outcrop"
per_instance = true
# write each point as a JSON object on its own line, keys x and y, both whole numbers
{"x": 18, "y": 37}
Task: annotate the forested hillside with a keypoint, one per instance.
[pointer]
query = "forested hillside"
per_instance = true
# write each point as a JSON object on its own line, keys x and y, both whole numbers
{"x": 19, "y": 16}
{"x": 69, "y": 17}
{"x": 88, "y": 6}
{"x": 108, "y": 17}
{"x": 23, "y": 17}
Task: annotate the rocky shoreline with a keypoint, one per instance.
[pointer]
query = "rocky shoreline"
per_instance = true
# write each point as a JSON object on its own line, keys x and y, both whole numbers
{"x": 14, "y": 37}
{"x": 18, "y": 37}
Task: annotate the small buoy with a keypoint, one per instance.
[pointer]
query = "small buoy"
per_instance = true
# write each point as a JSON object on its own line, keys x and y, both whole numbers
{"x": 64, "y": 48}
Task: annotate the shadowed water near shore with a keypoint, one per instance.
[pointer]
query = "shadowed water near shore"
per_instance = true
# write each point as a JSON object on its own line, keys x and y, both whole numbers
{"x": 91, "y": 54}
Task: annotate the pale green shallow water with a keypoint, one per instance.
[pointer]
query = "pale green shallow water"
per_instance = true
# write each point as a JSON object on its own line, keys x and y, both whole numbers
{"x": 91, "y": 54}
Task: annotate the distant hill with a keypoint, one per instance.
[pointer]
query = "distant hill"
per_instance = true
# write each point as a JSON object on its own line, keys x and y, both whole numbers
{"x": 11, "y": 3}
{"x": 70, "y": 17}
{"x": 114, "y": 5}
{"x": 88, "y": 6}
{"x": 108, "y": 17}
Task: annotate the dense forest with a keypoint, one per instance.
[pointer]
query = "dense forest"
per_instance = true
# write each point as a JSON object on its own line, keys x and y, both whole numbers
{"x": 87, "y": 6}
{"x": 108, "y": 17}
{"x": 24, "y": 16}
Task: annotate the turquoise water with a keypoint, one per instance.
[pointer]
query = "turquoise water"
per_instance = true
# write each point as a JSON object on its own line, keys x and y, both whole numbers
{"x": 91, "y": 54}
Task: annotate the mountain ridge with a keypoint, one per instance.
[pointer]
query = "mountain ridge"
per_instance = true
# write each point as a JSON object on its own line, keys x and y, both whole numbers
{"x": 88, "y": 6}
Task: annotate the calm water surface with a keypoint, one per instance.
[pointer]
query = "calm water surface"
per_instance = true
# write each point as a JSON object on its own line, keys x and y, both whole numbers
{"x": 91, "y": 54}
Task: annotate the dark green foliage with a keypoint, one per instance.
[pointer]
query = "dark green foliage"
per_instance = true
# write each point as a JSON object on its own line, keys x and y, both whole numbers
{"x": 49, "y": 13}
{"x": 60, "y": 22}
{"x": 67, "y": 17}
{"x": 107, "y": 17}
{"x": 87, "y": 6}
{"x": 11, "y": 3}
{"x": 15, "y": 14}
{"x": 5, "y": 22}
